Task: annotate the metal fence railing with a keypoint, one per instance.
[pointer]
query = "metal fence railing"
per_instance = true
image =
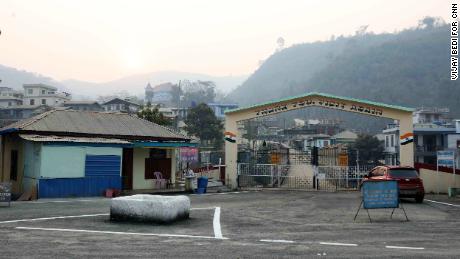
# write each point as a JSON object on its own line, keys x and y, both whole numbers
{"x": 330, "y": 178}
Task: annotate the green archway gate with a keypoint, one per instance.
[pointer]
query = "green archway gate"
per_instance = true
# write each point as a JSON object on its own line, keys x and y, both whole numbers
{"x": 382, "y": 110}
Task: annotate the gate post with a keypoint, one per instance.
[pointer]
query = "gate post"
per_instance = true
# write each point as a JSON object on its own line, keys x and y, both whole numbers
{"x": 406, "y": 153}
{"x": 278, "y": 175}
{"x": 231, "y": 154}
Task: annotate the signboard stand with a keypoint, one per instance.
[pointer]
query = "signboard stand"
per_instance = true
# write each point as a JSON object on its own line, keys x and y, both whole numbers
{"x": 378, "y": 194}
{"x": 445, "y": 158}
{"x": 356, "y": 215}
{"x": 402, "y": 208}
{"x": 5, "y": 193}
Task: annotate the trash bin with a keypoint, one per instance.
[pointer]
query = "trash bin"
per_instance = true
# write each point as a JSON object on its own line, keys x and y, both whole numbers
{"x": 202, "y": 184}
{"x": 189, "y": 183}
{"x": 452, "y": 192}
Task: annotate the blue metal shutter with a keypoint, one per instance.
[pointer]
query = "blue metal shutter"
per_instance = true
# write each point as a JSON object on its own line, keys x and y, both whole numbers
{"x": 102, "y": 165}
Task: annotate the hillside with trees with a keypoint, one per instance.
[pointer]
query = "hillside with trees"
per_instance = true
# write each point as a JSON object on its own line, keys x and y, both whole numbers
{"x": 409, "y": 68}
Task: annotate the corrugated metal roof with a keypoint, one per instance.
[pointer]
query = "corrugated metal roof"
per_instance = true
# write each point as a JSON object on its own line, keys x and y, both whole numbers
{"x": 118, "y": 100}
{"x": 378, "y": 104}
{"x": 95, "y": 123}
{"x": 80, "y": 102}
{"x": 51, "y": 138}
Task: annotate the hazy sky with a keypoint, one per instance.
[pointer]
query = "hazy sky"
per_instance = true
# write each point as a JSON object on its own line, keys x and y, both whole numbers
{"x": 104, "y": 40}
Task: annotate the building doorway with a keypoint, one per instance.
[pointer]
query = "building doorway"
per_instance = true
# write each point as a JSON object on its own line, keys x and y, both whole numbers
{"x": 127, "y": 169}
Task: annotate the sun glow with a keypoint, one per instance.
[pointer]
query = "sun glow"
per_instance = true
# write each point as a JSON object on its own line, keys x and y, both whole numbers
{"x": 131, "y": 59}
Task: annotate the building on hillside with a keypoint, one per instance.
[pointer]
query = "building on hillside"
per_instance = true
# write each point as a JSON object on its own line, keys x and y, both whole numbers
{"x": 345, "y": 137}
{"x": 41, "y": 94}
{"x": 66, "y": 153}
{"x": 163, "y": 95}
{"x": 84, "y": 106}
{"x": 220, "y": 108}
{"x": 15, "y": 113}
{"x": 433, "y": 131}
{"x": 120, "y": 105}
{"x": 173, "y": 113}
{"x": 10, "y": 97}
{"x": 431, "y": 115}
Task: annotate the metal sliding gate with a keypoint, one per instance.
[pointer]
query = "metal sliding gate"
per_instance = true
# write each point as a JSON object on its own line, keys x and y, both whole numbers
{"x": 307, "y": 177}
{"x": 340, "y": 178}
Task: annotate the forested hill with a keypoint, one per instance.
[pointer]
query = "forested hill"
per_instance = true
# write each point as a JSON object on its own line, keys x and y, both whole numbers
{"x": 409, "y": 68}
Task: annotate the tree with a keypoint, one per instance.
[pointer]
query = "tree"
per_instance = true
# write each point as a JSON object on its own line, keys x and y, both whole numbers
{"x": 280, "y": 43}
{"x": 370, "y": 148}
{"x": 198, "y": 92}
{"x": 202, "y": 123}
{"x": 153, "y": 114}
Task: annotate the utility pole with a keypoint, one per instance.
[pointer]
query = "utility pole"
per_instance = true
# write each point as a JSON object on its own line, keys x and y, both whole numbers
{"x": 357, "y": 160}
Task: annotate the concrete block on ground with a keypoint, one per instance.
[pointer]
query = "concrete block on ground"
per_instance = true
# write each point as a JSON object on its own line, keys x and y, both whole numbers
{"x": 150, "y": 208}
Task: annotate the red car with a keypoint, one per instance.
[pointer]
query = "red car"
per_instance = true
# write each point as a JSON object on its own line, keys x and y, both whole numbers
{"x": 410, "y": 184}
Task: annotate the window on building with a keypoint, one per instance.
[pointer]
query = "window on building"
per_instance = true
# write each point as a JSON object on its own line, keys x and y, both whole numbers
{"x": 387, "y": 141}
{"x": 43, "y": 101}
{"x": 14, "y": 165}
{"x": 32, "y": 102}
{"x": 9, "y": 103}
{"x": 392, "y": 140}
{"x": 43, "y": 91}
{"x": 30, "y": 91}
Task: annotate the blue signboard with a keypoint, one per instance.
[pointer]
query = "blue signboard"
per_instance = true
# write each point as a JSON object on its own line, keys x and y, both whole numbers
{"x": 445, "y": 158}
{"x": 445, "y": 162}
{"x": 380, "y": 194}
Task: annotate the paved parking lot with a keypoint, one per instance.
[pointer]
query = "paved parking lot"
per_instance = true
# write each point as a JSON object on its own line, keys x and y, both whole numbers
{"x": 235, "y": 225}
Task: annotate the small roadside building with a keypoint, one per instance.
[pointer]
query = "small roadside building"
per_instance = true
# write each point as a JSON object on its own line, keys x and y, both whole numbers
{"x": 67, "y": 153}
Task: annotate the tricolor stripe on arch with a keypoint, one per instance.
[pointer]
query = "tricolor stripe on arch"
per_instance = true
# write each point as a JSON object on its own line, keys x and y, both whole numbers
{"x": 406, "y": 138}
{"x": 230, "y": 137}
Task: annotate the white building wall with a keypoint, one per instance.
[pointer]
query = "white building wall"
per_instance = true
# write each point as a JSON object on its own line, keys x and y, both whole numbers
{"x": 452, "y": 141}
{"x": 9, "y": 103}
{"x": 139, "y": 181}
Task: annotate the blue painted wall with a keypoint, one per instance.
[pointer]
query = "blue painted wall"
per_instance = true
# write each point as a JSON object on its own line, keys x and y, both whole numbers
{"x": 77, "y": 187}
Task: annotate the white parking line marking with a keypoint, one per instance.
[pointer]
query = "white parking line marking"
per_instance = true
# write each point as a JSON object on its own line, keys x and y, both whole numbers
{"x": 444, "y": 203}
{"x": 216, "y": 223}
{"x": 220, "y": 193}
{"x": 208, "y": 208}
{"x": 116, "y": 233}
{"x": 405, "y": 247}
{"x": 337, "y": 244}
{"x": 77, "y": 216}
{"x": 58, "y": 217}
{"x": 277, "y": 241}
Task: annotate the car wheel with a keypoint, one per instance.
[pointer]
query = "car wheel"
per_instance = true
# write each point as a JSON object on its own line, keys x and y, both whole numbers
{"x": 419, "y": 199}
